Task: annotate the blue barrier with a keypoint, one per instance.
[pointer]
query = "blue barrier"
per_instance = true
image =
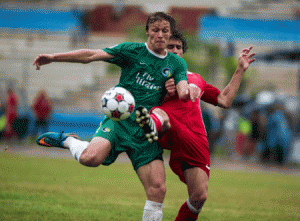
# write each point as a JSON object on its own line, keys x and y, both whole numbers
{"x": 83, "y": 124}
{"x": 38, "y": 19}
{"x": 238, "y": 29}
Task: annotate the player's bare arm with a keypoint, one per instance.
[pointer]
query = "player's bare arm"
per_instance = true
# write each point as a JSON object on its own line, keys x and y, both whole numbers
{"x": 191, "y": 90}
{"x": 194, "y": 92}
{"x": 183, "y": 90}
{"x": 83, "y": 56}
{"x": 170, "y": 87}
{"x": 227, "y": 96}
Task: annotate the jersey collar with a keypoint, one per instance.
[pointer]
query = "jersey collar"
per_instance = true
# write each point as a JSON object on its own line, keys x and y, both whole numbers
{"x": 155, "y": 54}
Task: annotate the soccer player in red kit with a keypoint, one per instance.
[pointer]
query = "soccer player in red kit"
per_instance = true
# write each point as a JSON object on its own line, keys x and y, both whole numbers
{"x": 180, "y": 127}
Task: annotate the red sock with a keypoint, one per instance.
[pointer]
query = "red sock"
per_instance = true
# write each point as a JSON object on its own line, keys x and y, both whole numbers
{"x": 157, "y": 122}
{"x": 185, "y": 214}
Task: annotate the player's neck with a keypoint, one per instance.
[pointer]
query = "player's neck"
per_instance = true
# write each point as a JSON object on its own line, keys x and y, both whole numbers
{"x": 160, "y": 53}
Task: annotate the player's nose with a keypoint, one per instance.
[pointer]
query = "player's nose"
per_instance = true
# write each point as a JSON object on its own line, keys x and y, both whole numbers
{"x": 160, "y": 34}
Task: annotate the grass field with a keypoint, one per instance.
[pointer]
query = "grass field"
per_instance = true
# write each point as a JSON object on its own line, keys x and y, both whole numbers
{"x": 33, "y": 188}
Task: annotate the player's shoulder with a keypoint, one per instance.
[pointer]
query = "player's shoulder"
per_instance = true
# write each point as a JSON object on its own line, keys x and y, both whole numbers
{"x": 176, "y": 59}
{"x": 130, "y": 45}
{"x": 195, "y": 75}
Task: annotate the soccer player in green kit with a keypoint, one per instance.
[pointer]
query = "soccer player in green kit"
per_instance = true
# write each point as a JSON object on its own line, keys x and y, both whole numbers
{"x": 145, "y": 69}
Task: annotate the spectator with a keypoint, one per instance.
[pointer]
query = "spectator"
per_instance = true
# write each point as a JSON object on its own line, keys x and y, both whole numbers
{"x": 243, "y": 145}
{"x": 212, "y": 129}
{"x": 257, "y": 137}
{"x": 42, "y": 108}
{"x": 11, "y": 113}
{"x": 278, "y": 136}
{"x": 80, "y": 34}
{"x": 2, "y": 119}
{"x": 230, "y": 124}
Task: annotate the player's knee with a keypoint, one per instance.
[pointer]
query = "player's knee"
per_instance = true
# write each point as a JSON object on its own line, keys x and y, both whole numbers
{"x": 157, "y": 191}
{"x": 90, "y": 160}
{"x": 199, "y": 196}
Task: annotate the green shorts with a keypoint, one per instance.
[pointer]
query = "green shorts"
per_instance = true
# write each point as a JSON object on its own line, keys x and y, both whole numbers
{"x": 127, "y": 136}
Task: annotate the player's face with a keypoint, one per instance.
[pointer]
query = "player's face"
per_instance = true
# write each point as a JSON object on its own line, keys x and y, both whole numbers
{"x": 175, "y": 46}
{"x": 158, "y": 34}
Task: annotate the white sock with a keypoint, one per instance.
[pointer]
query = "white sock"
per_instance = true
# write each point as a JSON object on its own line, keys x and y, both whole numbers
{"x": 76, "y": 146}
{"x": 193, "y": 209}
{"x": 152, "y": 211}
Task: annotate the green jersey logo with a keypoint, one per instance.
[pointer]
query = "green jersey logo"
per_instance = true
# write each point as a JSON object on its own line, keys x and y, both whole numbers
{"x": 106, "y": 130}
{"x": 167, "y": 72}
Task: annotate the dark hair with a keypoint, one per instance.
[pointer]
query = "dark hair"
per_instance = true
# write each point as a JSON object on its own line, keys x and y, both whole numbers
{"x": 177, "y": 35}
{"x": 158, "y": 16}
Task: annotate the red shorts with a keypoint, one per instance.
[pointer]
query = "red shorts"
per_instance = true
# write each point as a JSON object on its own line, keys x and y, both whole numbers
{"x": 186, "y": 145}
{"x": 179, "y": 166}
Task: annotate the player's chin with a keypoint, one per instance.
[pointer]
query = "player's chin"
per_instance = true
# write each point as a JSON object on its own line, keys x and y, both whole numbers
{"x": 161, "y": 45}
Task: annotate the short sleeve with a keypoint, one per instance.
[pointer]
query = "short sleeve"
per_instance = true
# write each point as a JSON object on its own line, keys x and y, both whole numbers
{"x": 121, "y": 53}
{"x": 181, "y": 71}
{"x": 210, "y": 94}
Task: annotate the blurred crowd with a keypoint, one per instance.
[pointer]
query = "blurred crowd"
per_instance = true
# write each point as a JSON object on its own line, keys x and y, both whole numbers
{"x": 261, "y": 128}
{"x": 15, "y": 126}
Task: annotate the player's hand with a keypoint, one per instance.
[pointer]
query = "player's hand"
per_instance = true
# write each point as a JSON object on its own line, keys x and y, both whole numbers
{"x": 195, "y": 92}
{"x": 43, "y": 59}
{"x": 245, "y": 59}
{"x": 170, "y": 87}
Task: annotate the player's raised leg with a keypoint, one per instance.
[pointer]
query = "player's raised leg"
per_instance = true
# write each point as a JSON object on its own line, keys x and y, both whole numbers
{"x": 90, "y": 154}
{"x": 152, "y": 123}
{"x": 96, "y": 152}
{"x": 53, "y": 139}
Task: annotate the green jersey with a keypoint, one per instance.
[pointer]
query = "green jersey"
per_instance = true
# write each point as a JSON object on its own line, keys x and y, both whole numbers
{"x": 144, "y": 72}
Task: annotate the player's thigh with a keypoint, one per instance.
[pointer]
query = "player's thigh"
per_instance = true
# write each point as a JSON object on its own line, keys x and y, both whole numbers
{"x": 196, "y": 180}
{"x": 152, "y": 174}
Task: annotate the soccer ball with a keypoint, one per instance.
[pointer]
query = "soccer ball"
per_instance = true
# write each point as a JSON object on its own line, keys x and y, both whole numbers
{"x": 118, "y": 103}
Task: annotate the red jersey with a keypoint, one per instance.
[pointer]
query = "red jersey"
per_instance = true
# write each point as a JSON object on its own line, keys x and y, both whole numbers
{"x": 42, "y": 108}
{"x": 11, "y": 107}
{"x": 187, "y": 137}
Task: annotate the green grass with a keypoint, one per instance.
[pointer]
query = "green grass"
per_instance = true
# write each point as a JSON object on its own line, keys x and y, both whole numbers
{"x": 33, "y": 188}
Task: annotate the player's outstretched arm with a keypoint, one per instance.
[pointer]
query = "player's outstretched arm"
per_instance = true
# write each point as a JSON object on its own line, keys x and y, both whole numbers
{"x": 83, "y": 56}
{"x": 227, "y": 96}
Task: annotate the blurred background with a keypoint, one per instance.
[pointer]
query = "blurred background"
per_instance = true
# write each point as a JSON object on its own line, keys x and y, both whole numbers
{"x": 263, "y": 124}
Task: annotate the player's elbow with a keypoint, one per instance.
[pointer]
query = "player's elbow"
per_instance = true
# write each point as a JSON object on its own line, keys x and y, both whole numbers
{"x": 224, "y": 103}
{"x": 87, "y": 56}
{"x": 227, "y": 105}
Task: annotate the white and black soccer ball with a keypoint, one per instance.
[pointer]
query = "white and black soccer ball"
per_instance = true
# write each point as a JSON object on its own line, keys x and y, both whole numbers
{"x": 118, "y": 103}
